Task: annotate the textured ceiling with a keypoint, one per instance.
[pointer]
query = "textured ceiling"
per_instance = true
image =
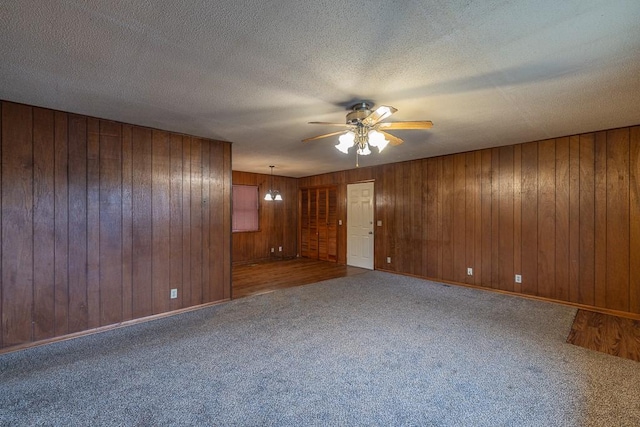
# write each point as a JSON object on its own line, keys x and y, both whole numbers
{"x": 254, "y": 72}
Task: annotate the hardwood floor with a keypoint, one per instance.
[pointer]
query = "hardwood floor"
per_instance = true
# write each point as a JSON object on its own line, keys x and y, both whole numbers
{"x": 267, "y": 276}
{"x": 605, "y": 333}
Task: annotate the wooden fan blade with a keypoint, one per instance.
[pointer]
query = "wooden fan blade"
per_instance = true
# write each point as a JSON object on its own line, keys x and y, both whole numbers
{"x": 330, "y": 124}
{"x": 406, "y": 125}
{"x": 393, "y": 140}
{"x": 326, "y": 135}
{"x": 381, "y": 113}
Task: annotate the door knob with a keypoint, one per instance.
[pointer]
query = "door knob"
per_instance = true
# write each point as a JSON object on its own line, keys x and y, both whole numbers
{"x": 371, "y": 232}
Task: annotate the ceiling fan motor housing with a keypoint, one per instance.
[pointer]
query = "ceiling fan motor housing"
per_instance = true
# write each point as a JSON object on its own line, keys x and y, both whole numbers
{"x": 360, "y": 112}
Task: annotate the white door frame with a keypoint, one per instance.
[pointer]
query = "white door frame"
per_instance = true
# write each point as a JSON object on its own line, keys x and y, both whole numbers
{"x": 360, "y": 217}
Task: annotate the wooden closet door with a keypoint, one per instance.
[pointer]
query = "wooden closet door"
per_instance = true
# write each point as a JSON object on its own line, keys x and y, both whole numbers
{"x": 304, "y": 223}
{"x": 313, "y": 224}
{"x": 332, "y": 224}
{"x": 319, "y": 223}
{"x": 323, "y": 224}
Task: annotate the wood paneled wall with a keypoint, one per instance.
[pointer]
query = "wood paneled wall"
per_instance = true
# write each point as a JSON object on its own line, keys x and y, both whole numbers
{"x": 564, "y": 213}
{"x": 101, "y": 219}
{"x": 278, "y": 220}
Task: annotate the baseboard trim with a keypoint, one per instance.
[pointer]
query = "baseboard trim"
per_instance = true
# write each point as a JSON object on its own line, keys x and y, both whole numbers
{"x": 617, "y": 313}
{"x": 109, "y": 327}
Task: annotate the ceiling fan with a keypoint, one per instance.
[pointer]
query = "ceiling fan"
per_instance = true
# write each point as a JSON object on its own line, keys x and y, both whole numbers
{"x": 364, "y": 129}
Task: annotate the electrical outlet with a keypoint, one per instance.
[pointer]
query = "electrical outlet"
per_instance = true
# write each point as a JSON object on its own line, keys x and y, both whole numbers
{"x": 339, "y": 222}
{"x": 379, "y": 223}
{"x": 518, "y": 278}
{"x": 273, "y": 250}
{"x": 388, "y": 260}
{"x": 469, "y": 271}
{"x": 174, "y": 293}
{"x": 279, "y": 248}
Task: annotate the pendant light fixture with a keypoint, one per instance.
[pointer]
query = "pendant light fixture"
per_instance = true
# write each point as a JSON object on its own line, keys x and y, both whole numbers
{"x": 272, "y": 194}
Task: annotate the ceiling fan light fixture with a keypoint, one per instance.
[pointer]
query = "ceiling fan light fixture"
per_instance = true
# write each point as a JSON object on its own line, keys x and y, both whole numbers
{"x": 346, "y": 142}
{"x": 365, "y": 129}
{"x": 364, "y": 150}
{"x": 376, "y": 139}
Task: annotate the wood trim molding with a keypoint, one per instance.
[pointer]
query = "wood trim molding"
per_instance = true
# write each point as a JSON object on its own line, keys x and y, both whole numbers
{"x": 110, "y": 327}
{"x": 617, "y": 313}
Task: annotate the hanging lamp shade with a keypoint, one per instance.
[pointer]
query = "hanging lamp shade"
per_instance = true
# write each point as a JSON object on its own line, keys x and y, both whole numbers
{"x": 272, "y": 194}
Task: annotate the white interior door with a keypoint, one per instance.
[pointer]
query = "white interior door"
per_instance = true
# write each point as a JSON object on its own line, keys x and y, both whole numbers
{"x": 360, "y": 225}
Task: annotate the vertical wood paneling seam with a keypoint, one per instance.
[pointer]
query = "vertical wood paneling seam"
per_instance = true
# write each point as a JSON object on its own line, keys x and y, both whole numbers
{"x": 555, "y": 216}
{"x": 466, "y": 261}
{"x": 122, "y": 239}
{"x": 67, "y": 189}
{"x": 55, "y": 306}
{"x": 629, "y": 215}
{"x": 53, "y": 178}
{"x": 170, "y": 264}
{"x": 440, "y": 178}
{"x": 151, "y": 289}
{"x": 122, "y": 154}
{"x": 606, "y": 214}
{"x": 99, "y": 223}
{"x": 519, "y": 210}
{"x": 629, "y": 211}
{"x": 202, "y": 241}
{"x": 631, "y": 277}
{"x": 537, "y": 217}
{"x": 517, "y": 214}
{"x": 182, "y": 185}
{"x": 600, "y": 233}
{"x": 33, "y": 233}
{"x": 171, "y": 220}
{"x": 1, "y": 210}
{"x": 579, "y": 189}
{"x": 182, "y": 267}
{"x": 86, "y": 221}
{"x": 129, "y": 175}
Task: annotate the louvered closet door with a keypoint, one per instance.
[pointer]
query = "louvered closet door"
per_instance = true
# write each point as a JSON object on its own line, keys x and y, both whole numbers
{"x": 332, "y": 224}
{"x": 319, "y": 223}
{"x": 313, "y": 224}
{"x": 304, "y": 223}
{"x": 322, "y": 225}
